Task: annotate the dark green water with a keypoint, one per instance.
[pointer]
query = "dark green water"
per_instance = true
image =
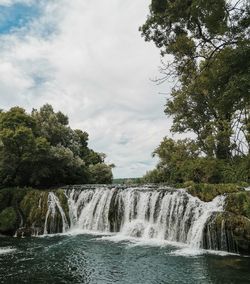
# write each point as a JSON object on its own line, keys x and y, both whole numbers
{"x": 87, "y": 259}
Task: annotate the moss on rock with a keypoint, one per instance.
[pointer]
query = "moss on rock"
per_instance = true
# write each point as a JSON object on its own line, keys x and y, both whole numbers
{"x": 239, "y": 203}
{"x": 207, "y": 192}
{"x": 5, "y": 198}
{"x": 12, "y": 196}
{"x": 8, "y": 220}
{"x": 235, "y": 228}
{"x": 63, "y": 201}
{"x": 30, "y": 206}
{"x": 34, "y": 207}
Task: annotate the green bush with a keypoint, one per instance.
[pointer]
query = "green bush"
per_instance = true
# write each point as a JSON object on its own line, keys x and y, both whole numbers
{"x": 208, "y": 192}
{"x": 41, "y": 150}
{"x": 34, "y": 206}
{"x": 8, "y": 220}
{"x": 239, "y": 203}
{"x": 182, "y": 160}
{"x": 177, "y": 167}
{"x": 100, "y": 173}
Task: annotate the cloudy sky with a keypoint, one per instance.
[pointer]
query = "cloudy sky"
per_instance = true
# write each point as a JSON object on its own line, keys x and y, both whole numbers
{"x": 88, "y": 60}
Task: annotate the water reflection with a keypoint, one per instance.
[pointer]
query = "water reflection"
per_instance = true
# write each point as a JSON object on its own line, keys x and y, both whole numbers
{"x": 229, "y": 269}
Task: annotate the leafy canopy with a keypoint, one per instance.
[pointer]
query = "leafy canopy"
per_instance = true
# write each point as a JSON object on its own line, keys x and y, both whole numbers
{"x": 205, "y": 47}
{"x": 40, "y": 149}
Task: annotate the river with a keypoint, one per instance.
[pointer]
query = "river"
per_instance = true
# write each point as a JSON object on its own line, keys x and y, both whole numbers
{"x": 104, "y": 259}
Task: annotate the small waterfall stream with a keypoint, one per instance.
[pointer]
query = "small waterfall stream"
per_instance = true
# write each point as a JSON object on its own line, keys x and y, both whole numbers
{"x": 142, "y": 212}
{"x": 51, "y": 220}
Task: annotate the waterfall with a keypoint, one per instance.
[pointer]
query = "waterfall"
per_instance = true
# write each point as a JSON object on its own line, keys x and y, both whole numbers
{"x": 217, "y": 234}
{"x": 51, "y": 220}
{"x": 146, "y": 212}
{"x": 142, "y": 212}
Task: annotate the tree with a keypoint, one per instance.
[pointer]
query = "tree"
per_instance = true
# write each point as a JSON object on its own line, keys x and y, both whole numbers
{"x": 209, "y": 44}
{"x": 180, "y": 161}
{"x": 215, "y": 106}
{"x": 195, "y": 30}
{"x": 54, "y": 127}
{"x": 42, "y": 150}
{"x": 208, "y": 53}
{"x": 101, "y": 173}
{"x": 18, "y": 145}
{"x": 173, "y": 155}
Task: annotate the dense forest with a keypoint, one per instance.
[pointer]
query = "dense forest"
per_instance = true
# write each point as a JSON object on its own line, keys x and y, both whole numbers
{"x": 205, "y": 50}
{"x": 41, "y": 150}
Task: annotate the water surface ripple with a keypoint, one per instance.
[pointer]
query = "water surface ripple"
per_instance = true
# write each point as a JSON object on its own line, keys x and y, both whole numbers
{"x": 95, "y": 259}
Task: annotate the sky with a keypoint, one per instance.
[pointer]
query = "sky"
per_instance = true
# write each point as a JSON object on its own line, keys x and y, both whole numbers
{"x": 87, "y": 59}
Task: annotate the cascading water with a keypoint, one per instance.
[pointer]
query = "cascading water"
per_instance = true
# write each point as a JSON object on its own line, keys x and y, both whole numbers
{"x": 217, "y": 234}
{"x": 51, "y": 220}
{"x": 142, "y": 212}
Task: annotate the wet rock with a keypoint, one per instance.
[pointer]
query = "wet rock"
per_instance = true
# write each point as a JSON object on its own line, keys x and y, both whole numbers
{"x": 8, "y": 220}
{"x": 28, "y": 232}
{"x": 229, "y": 232}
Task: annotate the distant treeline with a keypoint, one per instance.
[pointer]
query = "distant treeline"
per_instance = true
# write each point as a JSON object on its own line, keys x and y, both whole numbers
{"x": 127, "y": 181}
{"x": 41, "y": 150}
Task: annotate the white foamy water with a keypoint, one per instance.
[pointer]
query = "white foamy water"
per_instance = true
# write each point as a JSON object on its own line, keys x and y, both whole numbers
{"x": 6, "y": 250}
{"x": 54, "y": 207}
{"x": 149, "y": 215}
{"x": 189, "y": 252}
{"x": 140, "y": 215}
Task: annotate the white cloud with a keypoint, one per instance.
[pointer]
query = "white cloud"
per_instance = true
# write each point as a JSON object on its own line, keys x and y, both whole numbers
{"x": 12, "y": 2}
{"x": 95, "y": 67}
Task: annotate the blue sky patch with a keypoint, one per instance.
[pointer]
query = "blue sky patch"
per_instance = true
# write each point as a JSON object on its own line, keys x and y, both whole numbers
{"x": 16, "y": 16}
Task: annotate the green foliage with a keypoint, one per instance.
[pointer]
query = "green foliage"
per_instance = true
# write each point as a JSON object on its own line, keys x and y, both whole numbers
{"x": 100, "y": 173}
{"x": 239, "y": 203}
{"x": 29, "y": 204}
{"x": 207, "y": 192}
{"x": 159, "y": 175}
{"x": 34, "y": 206}
{"x": 127, "y": 181}
{"x": 195, "y": 29}
{"x": 11, "y": 197}
{"x": 237, "y": 229}
{"x": 42, "y": 150}
{"x": 5, "y": 198}
{"x": 8, "y": 220}
{"x": 180, "y": 161}
{"x": 216, "y": 104}
{"x": 15, "y": 118}
{"x": 210, "y": 57}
